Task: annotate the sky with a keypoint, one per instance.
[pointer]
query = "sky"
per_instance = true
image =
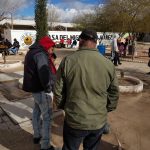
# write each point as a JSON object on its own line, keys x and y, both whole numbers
{"x": 67, "y": 9}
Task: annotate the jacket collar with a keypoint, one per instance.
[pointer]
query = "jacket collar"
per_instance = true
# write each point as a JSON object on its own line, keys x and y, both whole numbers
{"x": 88, "y": 49}
{"x": 38, "y": 48}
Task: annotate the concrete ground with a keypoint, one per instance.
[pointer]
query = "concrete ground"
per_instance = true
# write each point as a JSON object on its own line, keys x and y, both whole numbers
{"x": 130, "y": 126}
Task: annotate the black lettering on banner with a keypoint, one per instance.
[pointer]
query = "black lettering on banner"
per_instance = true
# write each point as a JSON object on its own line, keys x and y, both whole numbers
{"x": 65, "y": 37}
{"x": 110, "y": 37}
{"x": 56, "y": 37}
{"x": 71, "y": 37}
{"x": 53, "y": 37}
{"x": 60, "y": 37}
{"x": 107, "y": 37}
{"x": 101, "y": 37}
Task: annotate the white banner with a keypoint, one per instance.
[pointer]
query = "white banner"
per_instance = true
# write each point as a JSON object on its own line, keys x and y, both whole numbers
{"x": 27, "y": 37}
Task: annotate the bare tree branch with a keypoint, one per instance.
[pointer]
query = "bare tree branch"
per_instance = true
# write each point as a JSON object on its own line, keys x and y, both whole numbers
{"x": 10, "y": 6}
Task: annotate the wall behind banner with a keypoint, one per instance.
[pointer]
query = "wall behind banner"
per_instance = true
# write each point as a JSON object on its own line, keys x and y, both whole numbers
{"x": 27, "y": 37}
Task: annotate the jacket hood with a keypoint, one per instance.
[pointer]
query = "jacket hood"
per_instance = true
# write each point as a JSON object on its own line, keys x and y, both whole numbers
{"x": 34, "y": 46}
{"x": 37, "y": 48}
{"x": 46, "y": 42}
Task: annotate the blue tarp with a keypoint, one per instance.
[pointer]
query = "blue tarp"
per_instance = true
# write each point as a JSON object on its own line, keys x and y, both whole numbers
{"x": 101, "y": 48}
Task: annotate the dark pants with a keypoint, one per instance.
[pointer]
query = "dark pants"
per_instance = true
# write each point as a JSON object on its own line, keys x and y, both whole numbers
{"x": 73, "y": 138}
{"x": 116, "y": 59}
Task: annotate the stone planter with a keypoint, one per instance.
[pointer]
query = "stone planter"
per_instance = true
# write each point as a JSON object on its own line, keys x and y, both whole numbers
{"x": 135, "y": 85}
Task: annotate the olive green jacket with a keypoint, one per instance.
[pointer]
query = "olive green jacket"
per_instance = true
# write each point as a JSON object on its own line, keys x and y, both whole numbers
{"x": 86, "y": 88}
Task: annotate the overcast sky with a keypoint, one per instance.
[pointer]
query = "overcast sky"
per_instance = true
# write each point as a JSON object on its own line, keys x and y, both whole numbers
{"x": 66, "y": 8}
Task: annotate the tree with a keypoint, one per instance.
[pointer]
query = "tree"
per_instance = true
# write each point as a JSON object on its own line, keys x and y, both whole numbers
{"x": 41, "y": 19}
{"x": 53, "y": 16}
{"x": 85, "y": 20}
{"x": 120, "y": 16}
{"x": 10, "y": 6}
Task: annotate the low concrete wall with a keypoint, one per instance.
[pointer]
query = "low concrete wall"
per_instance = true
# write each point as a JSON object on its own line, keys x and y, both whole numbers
{"x": 132, "y": 88}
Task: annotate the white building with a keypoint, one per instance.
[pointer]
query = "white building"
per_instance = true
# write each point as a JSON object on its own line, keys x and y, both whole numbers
{"x": 18, "y": 24}
{"x": 24, "y": 32}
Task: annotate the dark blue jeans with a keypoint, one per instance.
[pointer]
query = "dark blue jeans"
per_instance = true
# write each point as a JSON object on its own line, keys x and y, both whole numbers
{"x": 73, "y": 138}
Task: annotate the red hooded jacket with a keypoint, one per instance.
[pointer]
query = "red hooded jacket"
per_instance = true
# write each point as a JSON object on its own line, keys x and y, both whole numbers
{"x": 46, "y": 42}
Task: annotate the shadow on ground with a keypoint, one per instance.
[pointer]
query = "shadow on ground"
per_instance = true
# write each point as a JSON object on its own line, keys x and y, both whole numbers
{"x": 17, "y": 140}
{"x": 12, "y": 92}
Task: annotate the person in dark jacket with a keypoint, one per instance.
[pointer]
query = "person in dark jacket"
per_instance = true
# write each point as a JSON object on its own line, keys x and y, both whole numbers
{"x": 15, "y": 47}
{"x": 8, "y": 43}
{"x": 38, "y": 79}
{"x": 87, "y": 89}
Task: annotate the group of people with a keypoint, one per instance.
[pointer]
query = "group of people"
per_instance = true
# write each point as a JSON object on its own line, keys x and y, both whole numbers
{"x": 12, "y": 47}
{"x": 119, "y": 48}
{"x": 15, "y": 47}
{"x": 85, "y": 86}
{"x": 69, "y": 43}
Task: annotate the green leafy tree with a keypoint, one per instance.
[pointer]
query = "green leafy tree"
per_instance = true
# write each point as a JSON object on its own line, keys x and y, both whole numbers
{"x": 41, "y": 19}
{"x": 123, "y": 16}
{"x": 119, "y": 16}
{"x": 84, "y": 21}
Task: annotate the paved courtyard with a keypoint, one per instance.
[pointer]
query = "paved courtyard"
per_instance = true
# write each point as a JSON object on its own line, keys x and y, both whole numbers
{"x": 130, "y": 126}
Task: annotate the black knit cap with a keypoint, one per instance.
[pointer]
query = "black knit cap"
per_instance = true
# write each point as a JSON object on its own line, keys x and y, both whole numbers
{"x": 88, "y": 34}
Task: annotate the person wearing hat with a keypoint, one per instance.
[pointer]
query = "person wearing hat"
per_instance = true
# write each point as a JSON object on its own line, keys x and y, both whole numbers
{"x": 38, "y": 79}
{"x": 86, "y": 88}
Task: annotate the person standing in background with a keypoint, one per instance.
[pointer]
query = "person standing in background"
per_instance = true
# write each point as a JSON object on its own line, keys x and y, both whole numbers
{"x": 69, "y": 41}
{"x": 115, "y": 51}
{"x": 62, "y": 45}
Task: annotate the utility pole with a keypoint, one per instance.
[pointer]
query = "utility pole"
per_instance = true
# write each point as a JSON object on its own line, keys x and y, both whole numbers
{"x": 11, "y": 21}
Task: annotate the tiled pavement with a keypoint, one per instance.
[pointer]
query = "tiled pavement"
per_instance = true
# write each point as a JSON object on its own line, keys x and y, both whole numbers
{"x": 17, "y": 115}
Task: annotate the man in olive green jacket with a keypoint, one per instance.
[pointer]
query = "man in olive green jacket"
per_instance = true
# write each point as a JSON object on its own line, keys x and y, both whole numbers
{"x": 86, "y": 88}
